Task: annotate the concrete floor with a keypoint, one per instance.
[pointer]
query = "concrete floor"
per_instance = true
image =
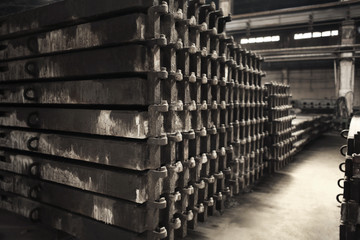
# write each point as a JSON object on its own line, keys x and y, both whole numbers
{"x": 297, "y": 203}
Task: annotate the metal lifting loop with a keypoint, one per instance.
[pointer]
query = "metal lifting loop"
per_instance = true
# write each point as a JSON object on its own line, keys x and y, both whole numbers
{"x": 342, "y": 150}
{"x": 340, "y": 167}
{"x": 34, "y": 215}
{"x": 33, "y": 144}
{"x": 344, "y": 133}
{"x": 338, "y": 197}
{"x": 339, "y": 181}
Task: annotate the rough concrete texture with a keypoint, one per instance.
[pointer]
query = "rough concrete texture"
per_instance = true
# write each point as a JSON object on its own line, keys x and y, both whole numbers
{"x": 297, "y": 203}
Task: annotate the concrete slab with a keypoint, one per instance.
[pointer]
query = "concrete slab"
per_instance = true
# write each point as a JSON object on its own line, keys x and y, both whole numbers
{"x": 297, "y": 203}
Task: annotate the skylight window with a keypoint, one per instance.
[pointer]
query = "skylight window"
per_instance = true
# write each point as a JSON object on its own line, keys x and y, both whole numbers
{"x": 267, "y": 39}
{"x": 334, "y": 32}
{"x": 316, "y": 34}
{"x": 326, "y": 34}
{"x": 252, "y": 40}
{"x": 244, "y": 41}
{"x": 309, "y": 35}
{"x": 260, "y": 39}
{"x": 275, "y": 38}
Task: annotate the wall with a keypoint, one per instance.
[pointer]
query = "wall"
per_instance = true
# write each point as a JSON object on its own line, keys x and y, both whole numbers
{"x": 312, "y": 82}
{"x": 306, "y": 83}
{"x": 226, "y": 6}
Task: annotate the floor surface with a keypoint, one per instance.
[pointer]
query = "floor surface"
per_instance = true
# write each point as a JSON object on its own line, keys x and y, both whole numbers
{"x": 297, "y": 203}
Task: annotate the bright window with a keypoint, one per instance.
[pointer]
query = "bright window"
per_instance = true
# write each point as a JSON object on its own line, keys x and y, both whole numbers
{"x": 252, "y": 40}
{"x": 267, "y": 39}
{"x": 244, "y": 41}
{"x": 309, "y": 35}
{"x": 326, "y": 34}
{"x": 316, "y": 34}
{"x": 334, "y": 32}
{"x": 260, "y": 39}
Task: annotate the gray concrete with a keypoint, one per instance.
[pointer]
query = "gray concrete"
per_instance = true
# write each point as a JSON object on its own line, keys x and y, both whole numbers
{"x": 297, "y": 203}
{"x": 347, "y": 64}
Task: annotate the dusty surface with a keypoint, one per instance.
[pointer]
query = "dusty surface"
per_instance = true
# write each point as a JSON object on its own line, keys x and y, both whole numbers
{"x": 297, "y": 203}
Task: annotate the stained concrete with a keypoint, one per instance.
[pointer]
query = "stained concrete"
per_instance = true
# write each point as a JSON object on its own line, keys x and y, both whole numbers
{"x": 297, "y": 203}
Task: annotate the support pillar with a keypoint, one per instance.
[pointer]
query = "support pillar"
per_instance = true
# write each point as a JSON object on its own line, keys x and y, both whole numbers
{"x": 226, "y": 6}
{"x": 285, "y": 76}
{"x": 347, "y": 64}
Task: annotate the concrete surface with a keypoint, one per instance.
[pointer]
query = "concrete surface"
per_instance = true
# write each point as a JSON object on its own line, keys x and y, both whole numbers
{"x": 297, "y": 203}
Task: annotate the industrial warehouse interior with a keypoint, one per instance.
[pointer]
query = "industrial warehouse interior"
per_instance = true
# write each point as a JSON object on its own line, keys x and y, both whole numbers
{"x": 179, "y": 119}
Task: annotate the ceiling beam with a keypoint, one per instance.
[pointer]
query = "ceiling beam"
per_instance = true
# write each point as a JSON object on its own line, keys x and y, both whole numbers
{"x": 295, "y": 16}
